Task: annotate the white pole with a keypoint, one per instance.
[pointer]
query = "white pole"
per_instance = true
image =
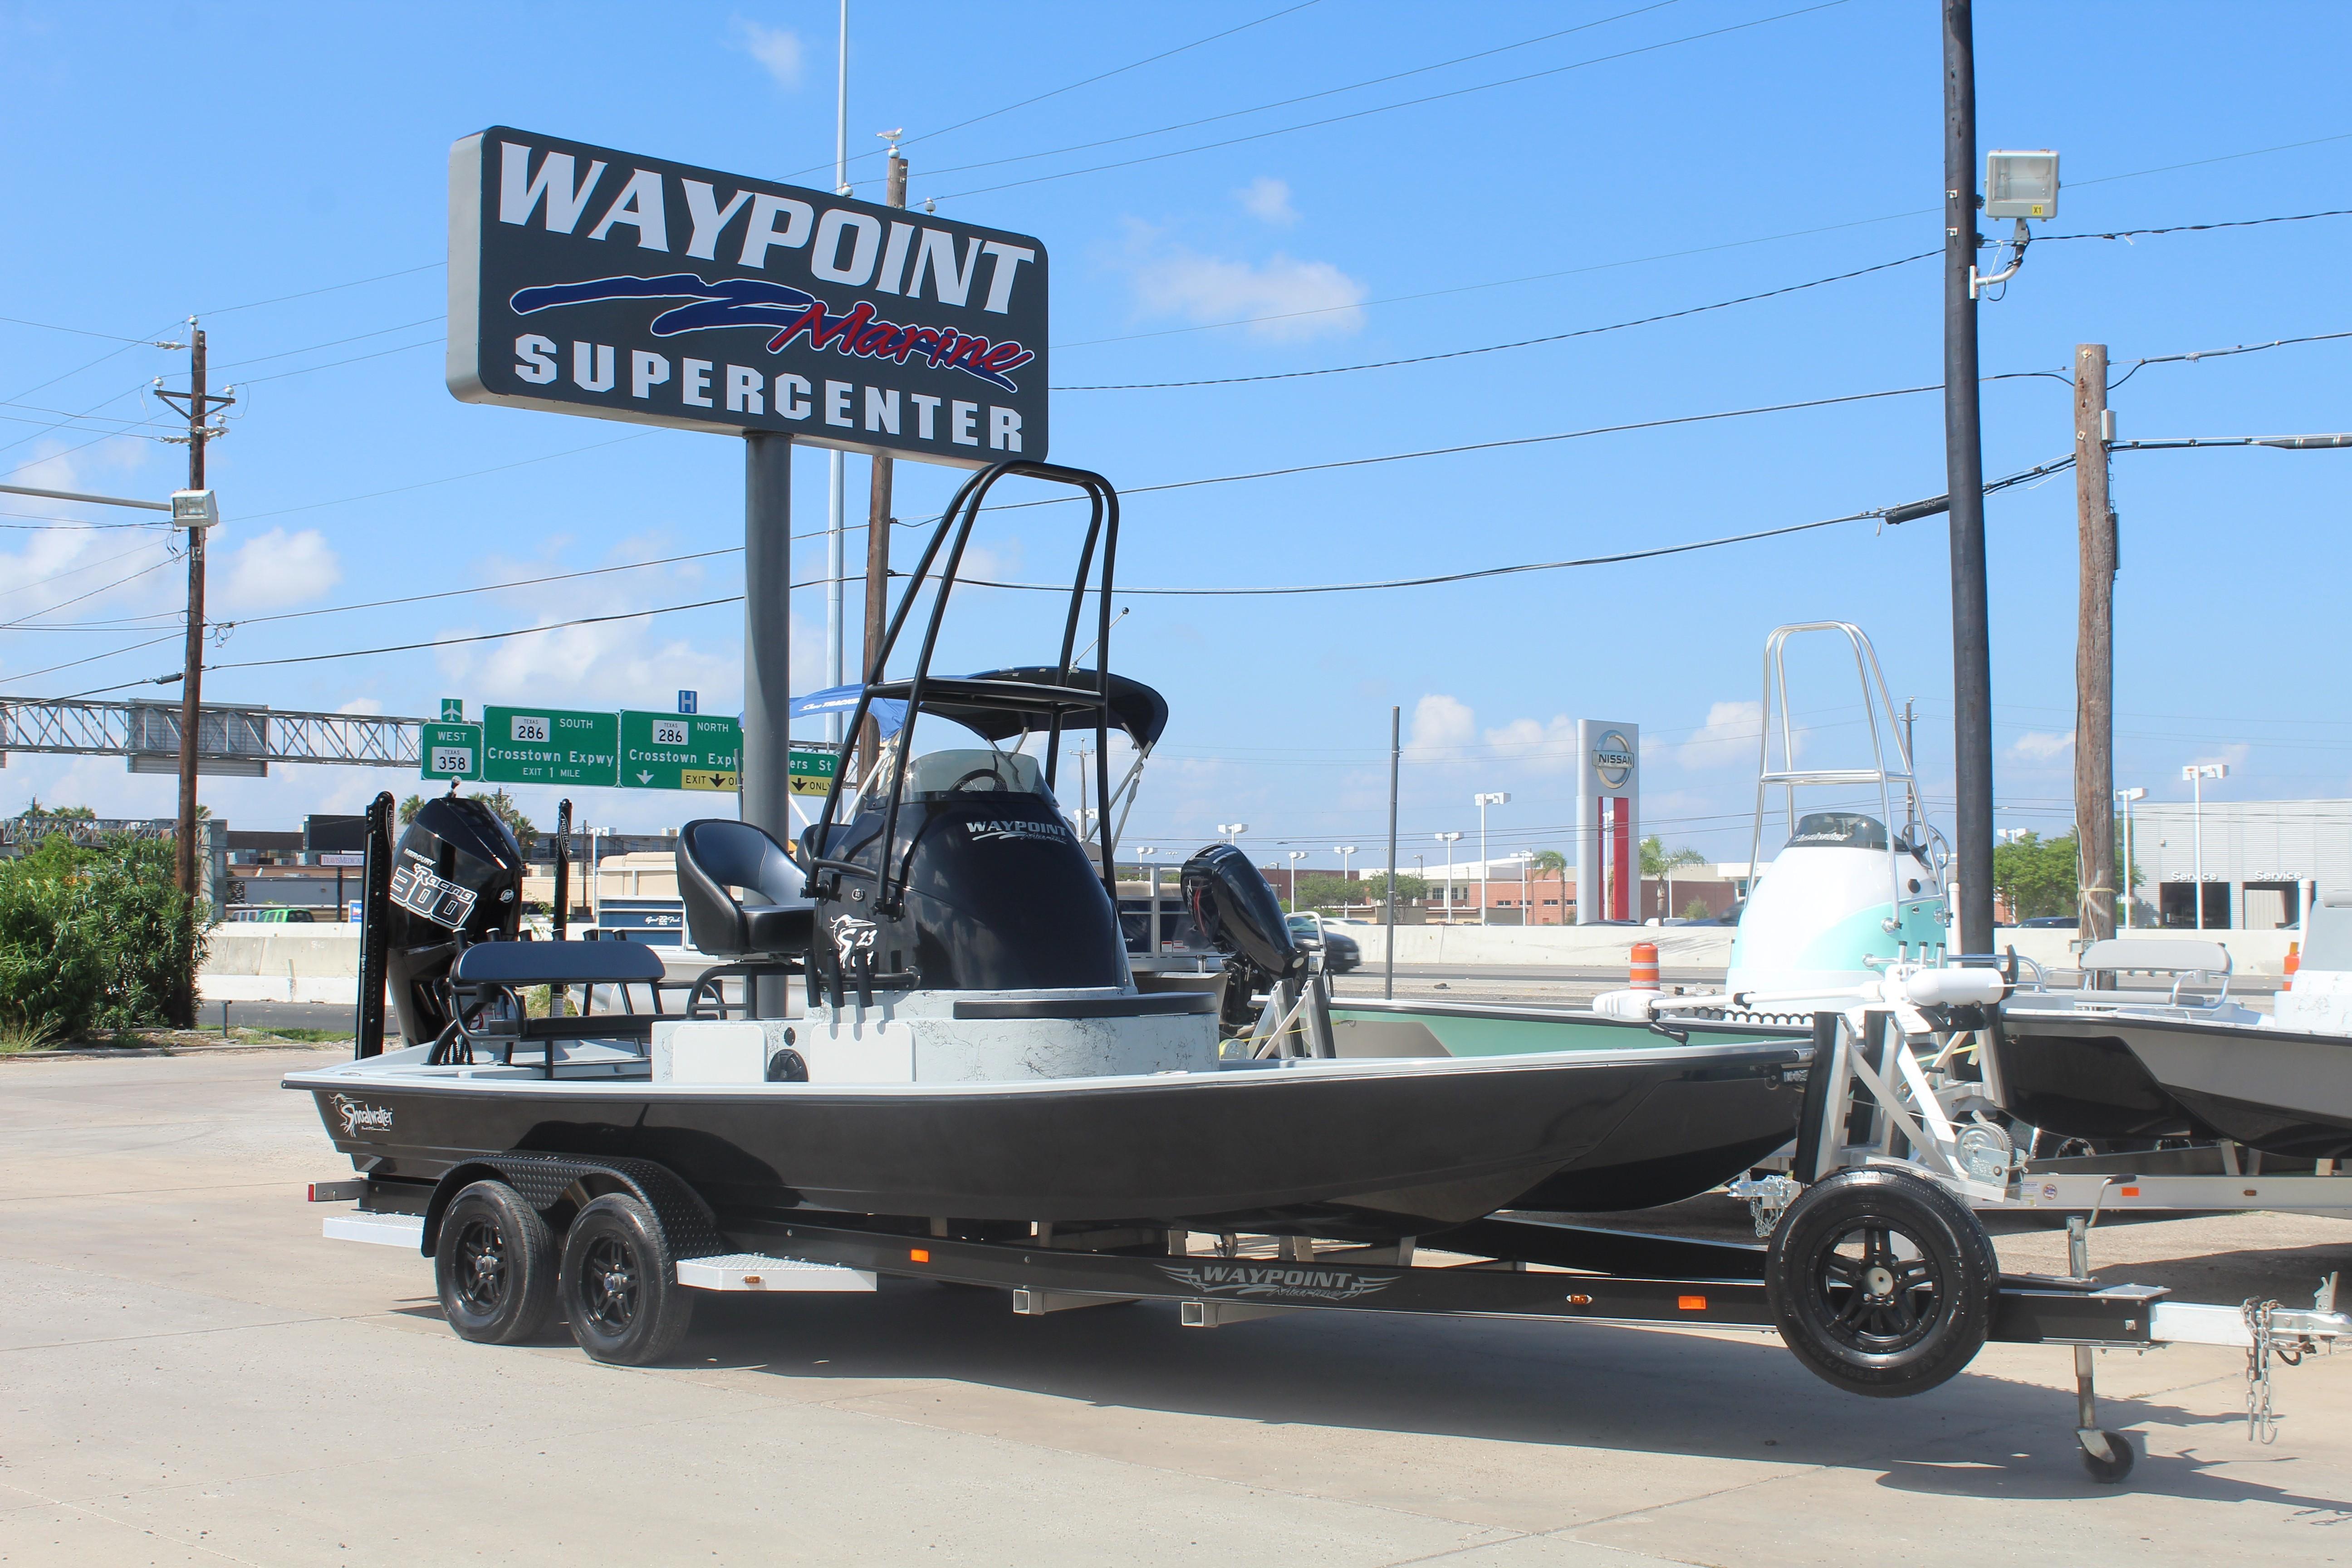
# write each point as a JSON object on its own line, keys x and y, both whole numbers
{"x": 1482, "y": 859}
{"x": 2127, "y": 863}
{"x": 836, "y": 462}
{"x": 2197, "y": 839}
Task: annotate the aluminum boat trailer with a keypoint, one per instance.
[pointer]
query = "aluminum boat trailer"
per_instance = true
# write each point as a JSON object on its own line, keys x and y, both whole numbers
{"x": 1873, "y": 1103}
{"x": 1880, "y": 1281}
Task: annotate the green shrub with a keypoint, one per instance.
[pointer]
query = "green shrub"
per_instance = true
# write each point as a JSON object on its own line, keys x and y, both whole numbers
{"x": 93, "y": 937}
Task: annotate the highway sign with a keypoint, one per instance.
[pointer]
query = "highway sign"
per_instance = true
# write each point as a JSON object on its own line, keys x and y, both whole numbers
{"x": 453, "y": 710}
{"x": 677, "y": 750}
{"x": 549, "y": 746}
{"x": 689, "y": 701}
{"x": 449, "y": 751}
{"x": 812, "y": 769}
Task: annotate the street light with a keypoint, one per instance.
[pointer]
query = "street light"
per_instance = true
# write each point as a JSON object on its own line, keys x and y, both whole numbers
{"x": 2124, "y": 797}
{"x": 1295, "y": 857}
{"x": 1447, "y": 839}
{"x": 2197, "y": 773}
{"x": 1232, "y": 831}
{"x": 1527, "y": 859}
{"x": 1343, "y": 851}
{"x": 1500, "y": 797}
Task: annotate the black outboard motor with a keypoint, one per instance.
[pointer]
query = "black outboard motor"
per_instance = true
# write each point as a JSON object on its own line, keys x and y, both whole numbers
{"x": 998, "y": 893}
{"x": 1238, "y": 912}
{"x": 457, "y": 876}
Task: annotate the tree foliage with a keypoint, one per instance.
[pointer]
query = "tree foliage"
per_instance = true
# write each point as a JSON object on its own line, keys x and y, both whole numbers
{"x": 506, "y": 808}
{"x": 93, "y": 937}
{"x": 1376, "y": 888}
{"x": 2036, "y": 877}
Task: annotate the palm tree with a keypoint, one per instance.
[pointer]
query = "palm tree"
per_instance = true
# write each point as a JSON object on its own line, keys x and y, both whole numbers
{"x": 1553, "y": 863}
{"x": 1658, "y": 861}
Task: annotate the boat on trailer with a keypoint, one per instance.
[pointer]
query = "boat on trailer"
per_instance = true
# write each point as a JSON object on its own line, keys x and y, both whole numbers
{"x": 975, "y": 1090}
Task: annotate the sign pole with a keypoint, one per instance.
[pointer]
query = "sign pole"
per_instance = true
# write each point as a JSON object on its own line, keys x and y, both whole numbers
{"x": 766, "y": 799}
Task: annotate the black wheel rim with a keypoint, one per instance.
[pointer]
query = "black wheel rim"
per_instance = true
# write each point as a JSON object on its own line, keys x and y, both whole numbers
{"x": 480, "y": 1270}
{"x": 608, "y": 1285}
{"x": 1865, "y": 1296}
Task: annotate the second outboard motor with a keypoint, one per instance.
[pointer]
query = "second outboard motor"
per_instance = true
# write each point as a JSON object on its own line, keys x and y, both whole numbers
{"x": 1230, "y": 901}
{"x": 456, "y": 875}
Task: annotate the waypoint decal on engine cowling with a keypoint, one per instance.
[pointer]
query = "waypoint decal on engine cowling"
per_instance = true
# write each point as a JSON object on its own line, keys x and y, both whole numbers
{"x": 1277, "y": 1281}
{"x": 358, "y": 1117}
{"x": 588, "y": 280}
{"x": 983, "y": 830}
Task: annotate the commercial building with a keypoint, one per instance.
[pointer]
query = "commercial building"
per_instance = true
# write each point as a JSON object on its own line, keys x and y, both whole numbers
{"x": 2262, "y": 860}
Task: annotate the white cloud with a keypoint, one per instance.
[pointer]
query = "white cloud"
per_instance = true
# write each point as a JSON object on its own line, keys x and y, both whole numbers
{"x": 1284, "y": 299}
{"x": 778, "y": 49}
{"x": 1728, "y": 736}
{"x": 1543, "y": 748}
{"x": 280, "y": 568}
{"x": 1442, "y": 726}
{"x": 1268, "y": 198}
{"x": 2041, "y": 746}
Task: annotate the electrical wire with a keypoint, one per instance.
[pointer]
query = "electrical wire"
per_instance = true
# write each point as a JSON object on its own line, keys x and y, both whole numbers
{"x": 485, "y": 588}
{"x": 1089, "y": 81}
{"x": 451, "y": 478}
{"x": 72, "y": 571}
{"x": 93, "y": 658}
{"x": 1409, "y": 103}
{"x": 336, "y": 344}
{"x": 2137, "y": 365}
{"x": 355, "y": 359}
{"x": 101, "y": 588}
{"x": 1518, "y": 343}
{"x": 330, "y": 288}
{"x": 1288, "y": 103}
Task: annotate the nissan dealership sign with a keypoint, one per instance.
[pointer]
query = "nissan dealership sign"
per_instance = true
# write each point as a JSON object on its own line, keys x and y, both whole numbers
{"x": 587, "y": 280}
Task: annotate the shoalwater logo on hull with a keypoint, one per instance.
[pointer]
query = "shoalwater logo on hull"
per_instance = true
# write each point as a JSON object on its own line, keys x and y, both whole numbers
{"x": 1276, "y": 1281}
{"x": 359, "y": 1117}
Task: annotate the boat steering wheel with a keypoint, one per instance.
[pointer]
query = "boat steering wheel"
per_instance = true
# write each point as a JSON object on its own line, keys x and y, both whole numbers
{"x": 995, "y": 780}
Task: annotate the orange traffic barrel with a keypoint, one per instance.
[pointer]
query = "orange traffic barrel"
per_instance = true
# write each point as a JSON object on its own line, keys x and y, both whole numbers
{"x": 1643, "y": 976}
{"x": 2294, "y": 963}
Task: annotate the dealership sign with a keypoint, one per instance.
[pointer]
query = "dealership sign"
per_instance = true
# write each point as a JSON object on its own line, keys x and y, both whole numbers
{"x": 587, "y": 280}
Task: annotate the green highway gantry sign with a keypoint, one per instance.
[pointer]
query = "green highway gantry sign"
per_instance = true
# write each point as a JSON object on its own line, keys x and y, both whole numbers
{"x": 811, "y": 769}
{"x": 680, "y": 751}
{"x": 449, "y": 751}
{"x": 549, "y": 746}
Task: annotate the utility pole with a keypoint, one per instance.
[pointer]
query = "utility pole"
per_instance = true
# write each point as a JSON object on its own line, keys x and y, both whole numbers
{"x": 836, "y": 462}
{"x": 1964, "y": 483}
{"x": 199, "y": 405}
{"x": 2094, "y": 650}
{"x": 878, "y": 523}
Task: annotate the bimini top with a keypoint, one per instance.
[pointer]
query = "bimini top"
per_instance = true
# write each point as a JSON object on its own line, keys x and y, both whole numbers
{"x": 995, "y": 703}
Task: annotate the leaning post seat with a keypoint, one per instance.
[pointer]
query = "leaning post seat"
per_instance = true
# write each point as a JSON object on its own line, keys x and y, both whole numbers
{"x": 766, "y": 933}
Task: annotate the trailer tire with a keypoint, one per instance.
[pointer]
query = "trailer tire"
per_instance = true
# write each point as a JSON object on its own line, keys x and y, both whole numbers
{"x": 494, "y": 1265}
{"x": 619, "y": 1284}
{"x": 1857, "y": 1310}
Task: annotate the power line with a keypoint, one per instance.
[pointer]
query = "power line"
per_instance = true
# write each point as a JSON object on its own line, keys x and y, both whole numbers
{"x": 449, "y": 479}
{"x": 2222, "y": 354}
{"x": 1520, "y": 343}
{"x": 330, "y": 288}
{"x": 1286, "y": 102}
{"x": 101, "y": 588}
{"x": 355, "y": 359}
{"x": 336, "y": 344}
{"x": 487, "y": 588}
{"x": 1089, "y": 81}
{"x": 1409, "y": 103}
{"x": 93, "y": 658}
{"x": 71, "y": 571}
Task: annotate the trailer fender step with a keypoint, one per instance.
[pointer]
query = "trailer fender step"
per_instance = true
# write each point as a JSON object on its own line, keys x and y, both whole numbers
{"x": 383, "y": 1229}
{"x": 758, "y": 1271}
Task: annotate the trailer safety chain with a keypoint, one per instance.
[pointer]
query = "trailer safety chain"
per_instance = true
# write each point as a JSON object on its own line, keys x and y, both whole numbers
{"x": 2262, "y": 1420}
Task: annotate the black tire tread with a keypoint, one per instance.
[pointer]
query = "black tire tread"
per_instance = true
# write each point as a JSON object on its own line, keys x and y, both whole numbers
{"x": 531, "y": 1248}
{"x": 665, "y": 1309}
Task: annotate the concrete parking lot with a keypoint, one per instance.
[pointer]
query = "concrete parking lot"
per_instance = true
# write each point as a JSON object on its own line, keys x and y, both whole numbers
{"x": 189, "y": 1375}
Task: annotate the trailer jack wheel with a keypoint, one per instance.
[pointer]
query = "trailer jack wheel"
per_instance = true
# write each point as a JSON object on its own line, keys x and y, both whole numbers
{"x": 2106, "y": 1455}
{"x": 1881, "y": 1282}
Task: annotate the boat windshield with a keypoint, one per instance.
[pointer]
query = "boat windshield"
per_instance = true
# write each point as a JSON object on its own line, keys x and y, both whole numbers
{"x": 956, "y": 770}
{"x": 1840, "y": 830}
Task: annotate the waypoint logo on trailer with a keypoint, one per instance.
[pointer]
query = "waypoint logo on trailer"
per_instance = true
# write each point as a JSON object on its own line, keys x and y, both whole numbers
{"x": 587, "y": 280}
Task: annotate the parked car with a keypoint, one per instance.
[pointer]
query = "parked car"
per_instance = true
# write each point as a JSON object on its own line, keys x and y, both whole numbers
{"x": 2049, "y": 922}
{"x": 1340, "y": 952}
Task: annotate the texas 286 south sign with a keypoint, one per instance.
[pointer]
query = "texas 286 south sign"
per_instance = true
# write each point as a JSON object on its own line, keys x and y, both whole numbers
{"x": 586, "y": 281}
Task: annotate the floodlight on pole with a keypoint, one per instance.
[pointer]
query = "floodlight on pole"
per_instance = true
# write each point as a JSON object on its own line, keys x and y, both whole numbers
{"x": 1497, "y": 798}
{"x": 1344, "y": 851}
{"x": 2197, "y": 773}
{"x": 2124, "y": 797}
{"x": 1295, "y": 857}
{"x": 2020, "y": 185}
{"x": 1232, "y": 831}
{"x": 1448, "y": 839}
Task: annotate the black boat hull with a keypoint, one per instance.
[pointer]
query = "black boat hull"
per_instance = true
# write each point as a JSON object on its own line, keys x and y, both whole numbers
{"x": 1340, "y": 1148}
{"x": 2279, "y": 1091}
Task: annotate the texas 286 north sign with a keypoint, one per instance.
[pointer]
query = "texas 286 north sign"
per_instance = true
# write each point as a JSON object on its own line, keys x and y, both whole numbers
{"x": 586, "y": 281}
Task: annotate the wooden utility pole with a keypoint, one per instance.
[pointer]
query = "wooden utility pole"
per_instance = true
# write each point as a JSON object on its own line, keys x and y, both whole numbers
{"x": 2095, "y": 651}
{"x": 199, "y": 405}
{"x": 877, "y": 536}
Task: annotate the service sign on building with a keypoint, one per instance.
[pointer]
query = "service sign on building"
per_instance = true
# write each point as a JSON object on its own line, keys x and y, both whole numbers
{"x": 589, "y": 281}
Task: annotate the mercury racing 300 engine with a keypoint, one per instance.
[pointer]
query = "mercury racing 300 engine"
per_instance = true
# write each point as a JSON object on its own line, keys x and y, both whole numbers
{"x": 456, "y": 877}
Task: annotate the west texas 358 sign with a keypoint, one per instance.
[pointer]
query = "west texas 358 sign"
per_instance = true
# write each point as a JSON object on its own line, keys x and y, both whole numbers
{"x": 585, "y": 281}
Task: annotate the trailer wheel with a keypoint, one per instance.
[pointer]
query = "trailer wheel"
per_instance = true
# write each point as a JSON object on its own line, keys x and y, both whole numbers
{"x": 494, "y": 1265}
{"x": 620, "y": 1288}
{"x": 2110, "y": 1468}
{"x": 1882, "y": 1282}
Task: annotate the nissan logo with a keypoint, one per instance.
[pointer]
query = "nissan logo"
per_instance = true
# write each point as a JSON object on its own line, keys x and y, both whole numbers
{"x": 1612, "y": 758}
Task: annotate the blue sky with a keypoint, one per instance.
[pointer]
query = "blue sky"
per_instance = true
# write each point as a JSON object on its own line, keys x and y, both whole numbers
{"x": 252, "y": 164}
